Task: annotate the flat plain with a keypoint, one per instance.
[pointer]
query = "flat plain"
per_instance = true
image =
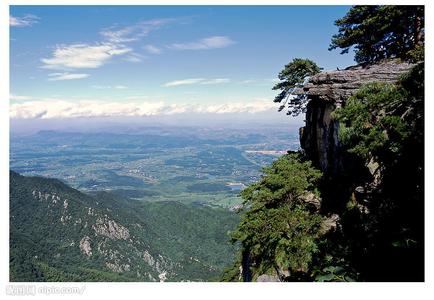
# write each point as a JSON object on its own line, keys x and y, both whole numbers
{"x": 192, "y": 165}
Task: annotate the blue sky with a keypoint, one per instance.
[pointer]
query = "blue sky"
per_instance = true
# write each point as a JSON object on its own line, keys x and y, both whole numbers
{"x": 160, "y": 58}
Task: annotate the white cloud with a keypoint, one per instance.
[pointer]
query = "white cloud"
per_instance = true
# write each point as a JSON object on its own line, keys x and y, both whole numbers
{"x": 87, "y": 56}
{"x": 216, "y": 81}
{"x": 134, "y": 57}
{"x": 212, "y": 42}
{"x": 57, "y": 108}
{"x": 133, "y": 32}
{"x": 197, "y": 81}
{"x": 80, "y": 56}
{"x": 27, "y": 20}
{"x": 118, "y": 36}
{"x": 247, "y": 81}
{"x": 66, "y": 76}
{"x": 103, "y": 87}
{"x": 260, "y": 81}
{"x": 152, "y": 49}
{"x": 238, "y": 107}
{"x": 184, "y": 82}
{"x": 19, "y": 97}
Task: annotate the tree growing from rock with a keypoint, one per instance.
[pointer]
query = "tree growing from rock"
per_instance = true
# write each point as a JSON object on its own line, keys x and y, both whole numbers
{"x": 280, "y": 230}
{"x": 291, "y": 77}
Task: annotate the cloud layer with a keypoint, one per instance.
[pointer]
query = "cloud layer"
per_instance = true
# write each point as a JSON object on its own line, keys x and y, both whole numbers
{"x": 196, "y": 81}
{"x": 105, "y": 87}
{"x": 212, "y": 42}
{"x": 51, "y": 109}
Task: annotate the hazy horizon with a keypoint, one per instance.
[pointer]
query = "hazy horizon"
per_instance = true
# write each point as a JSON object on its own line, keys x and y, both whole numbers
{"x": 121, "y": 124}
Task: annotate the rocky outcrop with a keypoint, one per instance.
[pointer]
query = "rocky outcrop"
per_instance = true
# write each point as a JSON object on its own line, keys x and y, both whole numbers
{"x": 118, "y": 267}
{"x": 268, "y": 278}
{"x": 328, "y": 90}
{"x": 111, "y": 229}
{"x": 85, "y": 246}
{"x": 330, "y": 223}
{"x": 335, "y": 86}
{"x": 312, "y": 199}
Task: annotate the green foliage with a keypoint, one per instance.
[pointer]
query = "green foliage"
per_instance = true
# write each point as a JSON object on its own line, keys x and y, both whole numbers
{"x": 369, "y": 125}
{"x": 293, "y": 76}
{"x": 286, "y": 180}
{"x": 379, "y": 119}
{"x": 417, "y": 54}
{"x": 382, "y": 124}
{"x": 381, "y": 31}
{"x": 277, "y": 228}
{"x": 203, "y": 187}
{"x": 232, "y": 273}
{"x": 414, "y": 82}
{"x": 333, "y": 273}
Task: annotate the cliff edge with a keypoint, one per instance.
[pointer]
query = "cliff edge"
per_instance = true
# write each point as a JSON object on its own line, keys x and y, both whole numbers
{"x": 328, "y": 90}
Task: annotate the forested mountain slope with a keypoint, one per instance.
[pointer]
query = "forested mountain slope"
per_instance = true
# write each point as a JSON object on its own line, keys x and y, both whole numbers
{"x": 60, "y": 234}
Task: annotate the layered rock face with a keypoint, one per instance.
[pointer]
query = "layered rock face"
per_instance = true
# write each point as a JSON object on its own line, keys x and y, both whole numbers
{"x": 328, "y": 90}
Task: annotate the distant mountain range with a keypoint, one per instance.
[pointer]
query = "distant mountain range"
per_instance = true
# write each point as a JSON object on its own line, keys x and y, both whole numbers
{"x": 58, "y": 233}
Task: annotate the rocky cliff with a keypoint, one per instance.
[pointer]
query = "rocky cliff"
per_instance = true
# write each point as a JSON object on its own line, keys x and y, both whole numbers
{"x": 328, "y": 90}
{"x": 344, "y": 174}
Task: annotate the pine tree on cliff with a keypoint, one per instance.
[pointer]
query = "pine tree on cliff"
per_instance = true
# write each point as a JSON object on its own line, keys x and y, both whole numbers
{"x": 291, "y": 77}
{"x": 381, "y": 31}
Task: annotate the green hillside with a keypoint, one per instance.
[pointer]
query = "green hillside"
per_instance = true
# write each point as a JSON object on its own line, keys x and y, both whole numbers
{"x": 60, "y": 234}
